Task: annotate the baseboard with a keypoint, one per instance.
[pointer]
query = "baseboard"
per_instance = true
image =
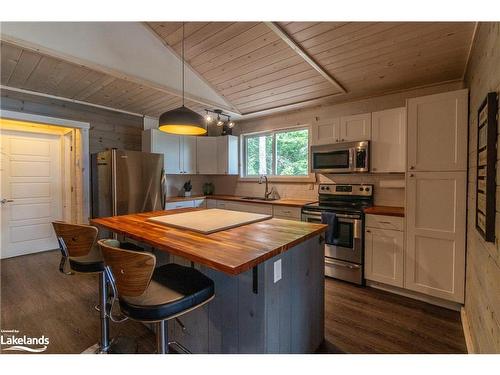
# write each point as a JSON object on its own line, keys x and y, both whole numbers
{"x": 467, "y": 332}
{"x": 415, "y": 295}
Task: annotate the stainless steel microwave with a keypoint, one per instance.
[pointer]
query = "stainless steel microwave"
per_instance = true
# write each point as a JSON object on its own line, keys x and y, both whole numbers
{"x": 349, "y": 157}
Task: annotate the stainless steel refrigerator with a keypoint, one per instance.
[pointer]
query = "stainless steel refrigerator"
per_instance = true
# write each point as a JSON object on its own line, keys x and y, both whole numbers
{"x": 126, "y": 182}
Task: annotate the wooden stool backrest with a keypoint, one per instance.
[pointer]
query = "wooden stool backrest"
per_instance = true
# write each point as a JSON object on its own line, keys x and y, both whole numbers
{"x": 132, "y": 270}
{"x": 78, "y": 238}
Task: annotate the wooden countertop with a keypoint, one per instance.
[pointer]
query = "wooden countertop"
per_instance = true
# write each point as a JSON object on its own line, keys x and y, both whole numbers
{"x": 231, "y": 251}
{"x": 279, "y": 202}
{"x": 385, "y": 210}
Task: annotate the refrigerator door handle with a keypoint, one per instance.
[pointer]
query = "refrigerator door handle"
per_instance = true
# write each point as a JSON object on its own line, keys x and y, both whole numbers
{"x": 163, "y": 193}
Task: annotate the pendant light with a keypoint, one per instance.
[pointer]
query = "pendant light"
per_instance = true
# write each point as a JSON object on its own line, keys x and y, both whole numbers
{"x": 182, "y": 120}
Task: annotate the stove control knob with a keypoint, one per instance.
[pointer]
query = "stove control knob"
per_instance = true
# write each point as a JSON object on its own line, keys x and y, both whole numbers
{"x": 360, "y": 189}
{"x": 367, "y": 189}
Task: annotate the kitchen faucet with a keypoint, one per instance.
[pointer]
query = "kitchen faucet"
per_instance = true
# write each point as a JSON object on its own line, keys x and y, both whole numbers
{"x": 267, "y": 193}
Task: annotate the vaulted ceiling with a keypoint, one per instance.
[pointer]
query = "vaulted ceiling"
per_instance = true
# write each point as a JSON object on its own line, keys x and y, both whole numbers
{"x": 262, "y": 67}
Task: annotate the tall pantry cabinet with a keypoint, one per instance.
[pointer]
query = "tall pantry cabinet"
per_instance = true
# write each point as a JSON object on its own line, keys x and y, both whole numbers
{"x": 436, "y": 178}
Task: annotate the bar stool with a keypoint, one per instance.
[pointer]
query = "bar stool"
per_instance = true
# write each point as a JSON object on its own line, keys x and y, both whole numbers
{"x": 154, "y": 295}
{"x": 78, "y": 246}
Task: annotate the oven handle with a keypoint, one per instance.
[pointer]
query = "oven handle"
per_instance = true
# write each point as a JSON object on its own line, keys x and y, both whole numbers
{"x": 340, "y": 216}
{"x": 351, "y": 266}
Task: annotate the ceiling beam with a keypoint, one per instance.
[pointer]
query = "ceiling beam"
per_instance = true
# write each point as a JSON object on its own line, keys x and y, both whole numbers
{"x": 123, "y": 50}
{"x": 155, "y": 34}
{"x": 302, "y": 53}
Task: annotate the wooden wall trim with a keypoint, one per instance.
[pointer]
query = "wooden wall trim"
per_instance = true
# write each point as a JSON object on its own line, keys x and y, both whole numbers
{"x": 471, "y": 46}
{"x": 278, "y": 30}
{"x": 469, "y": 342}
{"x": 4, "y": 87}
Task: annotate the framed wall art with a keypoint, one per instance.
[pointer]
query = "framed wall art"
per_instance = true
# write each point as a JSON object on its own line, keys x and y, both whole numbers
{"x": 487, "y": 121}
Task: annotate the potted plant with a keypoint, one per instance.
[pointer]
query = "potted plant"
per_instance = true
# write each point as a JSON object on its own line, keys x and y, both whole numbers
{"x": 187, "y": 188}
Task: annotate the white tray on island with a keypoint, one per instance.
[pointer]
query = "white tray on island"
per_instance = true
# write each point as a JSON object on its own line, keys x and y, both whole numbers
{"x": 209, "y": 221}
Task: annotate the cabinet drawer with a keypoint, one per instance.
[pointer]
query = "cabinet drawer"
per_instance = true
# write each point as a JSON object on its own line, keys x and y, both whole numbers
{"x": 211, "y": 203}
{"x": 385, "y": 222}
{"x": 181, "y": 204}
{"x": 286, "y": 212}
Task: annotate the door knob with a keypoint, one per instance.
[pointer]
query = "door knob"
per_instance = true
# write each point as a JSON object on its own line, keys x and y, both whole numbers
{"x": 3, "y": 201}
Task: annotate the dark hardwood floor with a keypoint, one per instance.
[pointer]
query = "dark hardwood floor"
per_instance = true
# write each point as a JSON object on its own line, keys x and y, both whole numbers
{"x": 37, "y": 300}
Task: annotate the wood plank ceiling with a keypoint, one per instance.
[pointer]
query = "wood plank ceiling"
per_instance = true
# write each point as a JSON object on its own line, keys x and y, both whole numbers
{"x": 29, "y": 70}
{"x": 257, "y": 70}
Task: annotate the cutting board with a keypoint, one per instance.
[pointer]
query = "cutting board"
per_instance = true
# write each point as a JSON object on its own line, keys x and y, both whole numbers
{"x": 209, "y": 221}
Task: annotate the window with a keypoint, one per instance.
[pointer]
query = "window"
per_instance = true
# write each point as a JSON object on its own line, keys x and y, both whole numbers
{"x": 278, "y": 153}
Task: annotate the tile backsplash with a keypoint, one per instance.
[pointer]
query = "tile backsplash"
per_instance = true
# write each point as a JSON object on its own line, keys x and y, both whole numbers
{"x": 385, "y": 192}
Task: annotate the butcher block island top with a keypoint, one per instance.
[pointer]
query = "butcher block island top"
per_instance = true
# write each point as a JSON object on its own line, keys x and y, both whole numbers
{"x": 231, "y": 251}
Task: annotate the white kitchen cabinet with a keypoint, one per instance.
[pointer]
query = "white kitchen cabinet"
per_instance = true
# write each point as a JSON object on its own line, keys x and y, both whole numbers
{"x": 437, "y": 132}
{"x": 179, "y": 151}
{"x": 435, "y": 247}
{"x": 285, "y": 212}
{"x": 326, "y": 132}
{"x": 188, "y": 154}
{"x": 355, "y": 127}
{"x": 388, "y": 141}
{"x": 384, "y": 251}
{"x": 217, "y": 155}
{"x": 227, "y": 155}
{"x": 207, "y": 155}
{"x": 256, "y": 208}
{"x": 211, "y": 203}
{"x": 194, "y": 203}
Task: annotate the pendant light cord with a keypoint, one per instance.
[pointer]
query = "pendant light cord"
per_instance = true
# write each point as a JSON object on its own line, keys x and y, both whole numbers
{"x": 183, "y": 64}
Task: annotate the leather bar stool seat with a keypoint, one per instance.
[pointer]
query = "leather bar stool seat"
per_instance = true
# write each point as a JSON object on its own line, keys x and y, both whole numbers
{"x": 173, "y": 289}
{"x": 90, "y": 262}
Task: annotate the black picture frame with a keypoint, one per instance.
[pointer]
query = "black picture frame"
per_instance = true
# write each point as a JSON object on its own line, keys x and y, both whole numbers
{"x": 487, "y": 124}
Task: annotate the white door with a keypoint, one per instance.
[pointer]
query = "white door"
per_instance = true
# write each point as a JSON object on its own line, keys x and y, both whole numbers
{"x": 188, "y": 154}
{"x": 355, "y": 127}
{"x": 388, "y": 141}
{"x": 435, "y": 248}
{"x": 206, "y": 155}
{"x": 437, "y": 132}
{"x": 32, "y": 189}
{"x": 384, "y": 256}
{"x": 326, "y": 132}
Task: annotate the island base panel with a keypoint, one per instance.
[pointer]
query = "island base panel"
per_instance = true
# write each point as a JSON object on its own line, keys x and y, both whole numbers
{"x": 282, "y": 317}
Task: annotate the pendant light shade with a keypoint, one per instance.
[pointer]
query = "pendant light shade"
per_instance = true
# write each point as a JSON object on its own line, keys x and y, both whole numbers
{"x": 182, "y": 121}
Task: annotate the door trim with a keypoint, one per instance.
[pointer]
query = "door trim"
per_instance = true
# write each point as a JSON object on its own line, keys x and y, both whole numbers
{"x": 85, "y": 153}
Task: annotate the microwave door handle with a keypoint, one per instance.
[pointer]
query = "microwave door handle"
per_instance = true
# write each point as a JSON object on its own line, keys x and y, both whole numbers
{"x": 352, "y": 160}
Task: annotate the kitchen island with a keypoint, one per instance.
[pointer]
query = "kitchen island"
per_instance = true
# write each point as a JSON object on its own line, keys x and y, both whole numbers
{"x": 269, "y": 282}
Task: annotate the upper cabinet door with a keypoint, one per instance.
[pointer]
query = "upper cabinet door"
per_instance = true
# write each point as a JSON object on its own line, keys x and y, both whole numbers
{"x": 154, "y": 140}
{"x": 437, "y": 132}
{"x": 388, "y": 141}
{"x": 356, "y": 127}
{"x": 206, "y": 155}
{"x": 227, "y": 154}
{"x": 326, "y": 132}
{"x": 188, "y": 153}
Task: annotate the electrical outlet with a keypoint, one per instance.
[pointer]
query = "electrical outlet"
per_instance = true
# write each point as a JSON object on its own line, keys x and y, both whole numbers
{"x": 277, "y": 271}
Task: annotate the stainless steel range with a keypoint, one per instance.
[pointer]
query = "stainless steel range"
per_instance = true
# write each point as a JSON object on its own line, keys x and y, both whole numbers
{"x": 344, "y": 249}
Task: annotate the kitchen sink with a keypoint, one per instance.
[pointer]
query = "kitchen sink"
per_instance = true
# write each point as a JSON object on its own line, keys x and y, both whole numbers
{"x": 260, "y": 199}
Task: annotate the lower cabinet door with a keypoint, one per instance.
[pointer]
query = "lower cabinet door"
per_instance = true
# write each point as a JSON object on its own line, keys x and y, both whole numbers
{"x": 435, "y": 234}
{"x": 384, "y": 256}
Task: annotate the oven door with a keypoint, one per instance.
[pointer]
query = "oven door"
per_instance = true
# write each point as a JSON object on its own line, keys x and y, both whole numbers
{"x": 348, "y": 242}
{"x": 324, "y": 159}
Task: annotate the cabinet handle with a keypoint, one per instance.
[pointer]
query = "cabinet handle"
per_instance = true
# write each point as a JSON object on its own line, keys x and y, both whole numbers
{"x": 412, "y": 167}
{"x": 368, "y": 231}
{"x": 412, "y": 175}
{"x": 342, "y": 139}
{"x": 385, "y": 222}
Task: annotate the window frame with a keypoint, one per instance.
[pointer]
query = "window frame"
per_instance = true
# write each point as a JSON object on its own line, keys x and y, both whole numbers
{"x": 310, "y": 177}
